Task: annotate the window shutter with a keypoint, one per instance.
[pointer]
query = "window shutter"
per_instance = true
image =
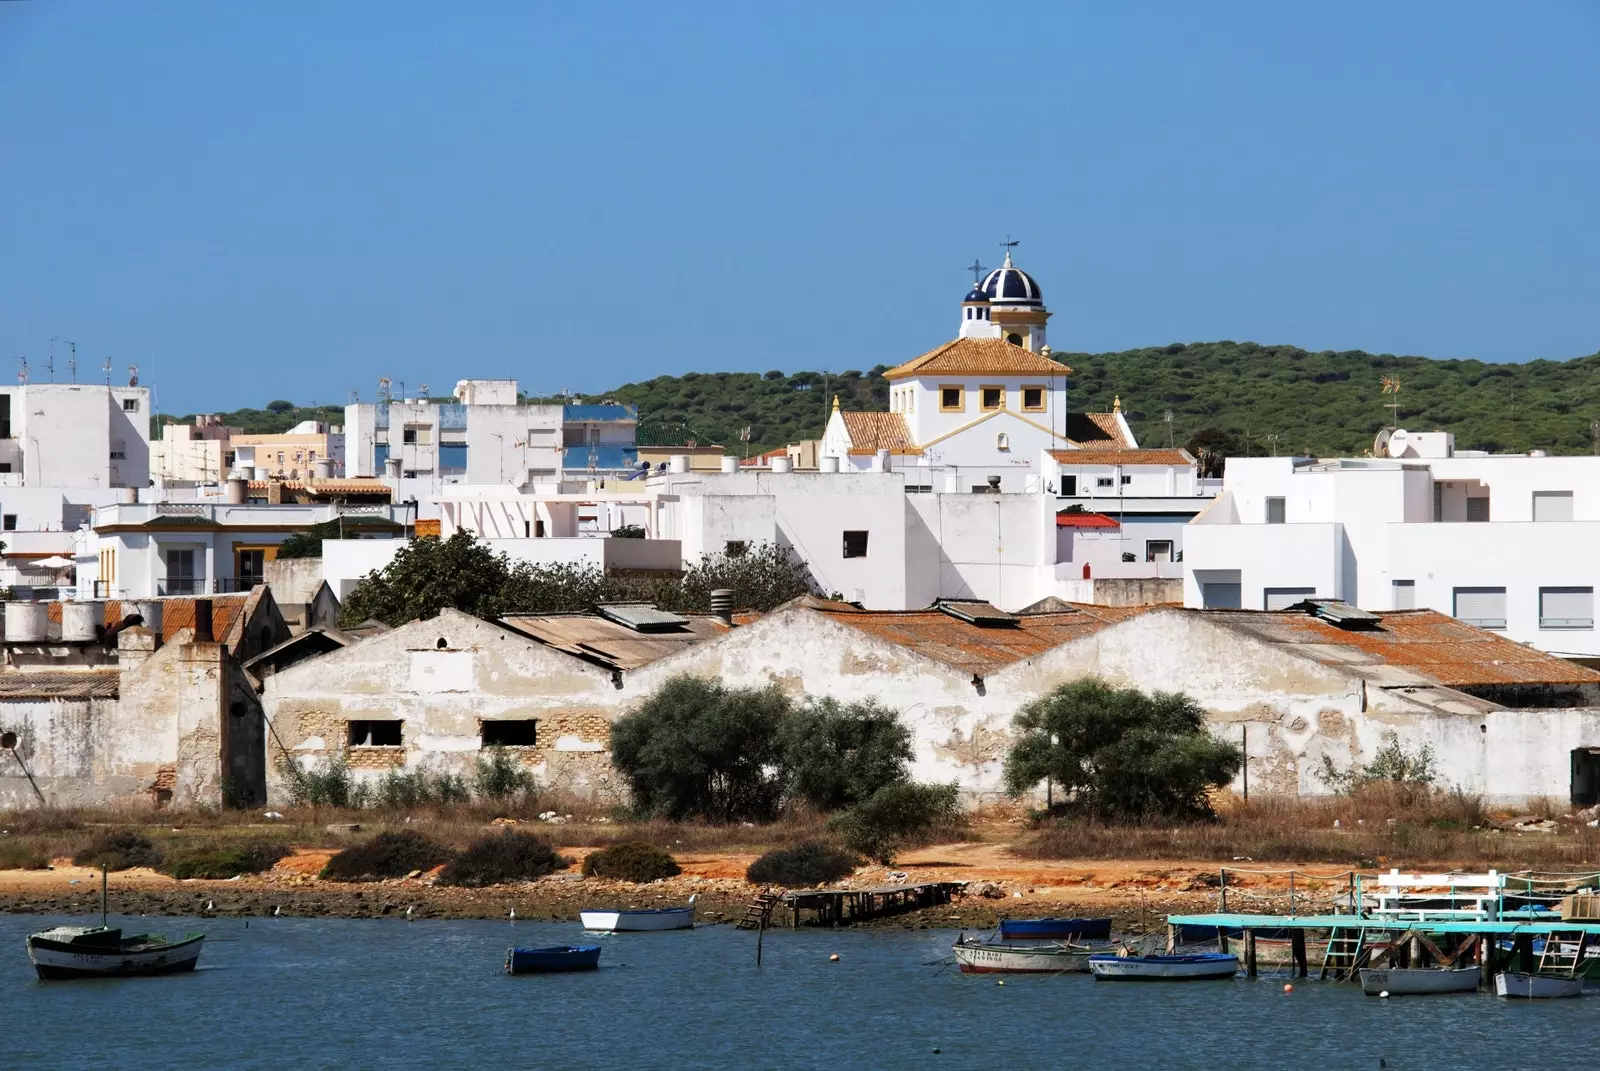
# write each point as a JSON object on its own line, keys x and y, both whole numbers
{"x": 1552, "y": 505}
{"x": 1483, "y": 607}
{"x": 1566, "y": 607}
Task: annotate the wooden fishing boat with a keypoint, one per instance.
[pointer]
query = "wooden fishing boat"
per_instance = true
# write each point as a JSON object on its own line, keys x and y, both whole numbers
{"x": 1180, "y": 967}
{"x": 645, "y": 919}
{"x": 103, "y": 952}
{"x": 981, "y": 957}
{"x": 1055, "y": 929}
{"x": 556, "y": 960}
{"x": 1537, "y": 986}
{"x": 1414, "y": 981}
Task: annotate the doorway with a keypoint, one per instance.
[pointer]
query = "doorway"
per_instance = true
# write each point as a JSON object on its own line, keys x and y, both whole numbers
{"x": 1585, "y": 776}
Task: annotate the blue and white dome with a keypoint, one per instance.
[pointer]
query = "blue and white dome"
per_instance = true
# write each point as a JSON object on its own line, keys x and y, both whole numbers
{"x": 1009, "y": 285}
{"x": 975, "y": 294}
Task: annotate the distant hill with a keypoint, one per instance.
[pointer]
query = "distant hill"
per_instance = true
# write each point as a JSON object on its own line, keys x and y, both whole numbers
{"x": 1285, "y": 399}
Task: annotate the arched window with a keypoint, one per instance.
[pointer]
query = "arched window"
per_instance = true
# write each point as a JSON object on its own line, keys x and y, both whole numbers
{"x": 1002, "y": 441}
{"x": 1014, "y": 338}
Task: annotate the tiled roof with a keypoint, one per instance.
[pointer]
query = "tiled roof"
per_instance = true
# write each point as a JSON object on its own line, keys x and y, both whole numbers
{"x": 871, "y": 432}
{"x": 1065, "y": 519}
{"x": 59, "y": 684}
{"x": 1096, "y": 429}
{"x": 1424, "y": 642}
{"x": 178, "y": 613}
{"x": 974, "y": 648}
{"x": 1099, "y": 456}
{"x": 327, "y": 487}
{"x": 978, "y": 356}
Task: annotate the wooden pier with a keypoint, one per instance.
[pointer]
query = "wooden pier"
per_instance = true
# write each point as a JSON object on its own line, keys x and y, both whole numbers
{"x": 841, "y": 907}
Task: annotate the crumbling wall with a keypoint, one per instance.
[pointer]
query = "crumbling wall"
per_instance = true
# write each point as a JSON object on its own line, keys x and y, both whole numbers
{"x": 63, "y": 744}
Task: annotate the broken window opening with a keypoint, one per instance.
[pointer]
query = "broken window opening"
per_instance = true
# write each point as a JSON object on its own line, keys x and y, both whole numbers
{"x": 510, "y": 732}
{"x": 376, "y": 733}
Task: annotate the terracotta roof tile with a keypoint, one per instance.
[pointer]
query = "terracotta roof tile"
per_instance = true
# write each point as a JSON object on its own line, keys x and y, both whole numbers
{"x": 871, "y": 432}
{"x": 1066, "y": 519}
{"x": 178, "y": 613}
{"x": 978, "y": 356}
{"x": 1099, "y": 456}
{"x": 1425, "y": 642}
{"x": 1096, "y": 429}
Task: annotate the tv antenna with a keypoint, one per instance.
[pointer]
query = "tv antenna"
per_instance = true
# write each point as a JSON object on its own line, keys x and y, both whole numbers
{"x": 422, "y": 391}
{"x": 72, "y": 361}
{"x": 383, "y": 388}
{"x": 1166, "y": 416}
{"x": 106, "y": 368}
{"x": 22, "y": 370}
{"x": 133, "y": 375}
{"x": 1391, "y": 385}
{"x": 50, "y": 362}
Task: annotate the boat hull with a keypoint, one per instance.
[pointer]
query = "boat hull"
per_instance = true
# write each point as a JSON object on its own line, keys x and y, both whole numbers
{"x": 557, "y": 960}
{"x": 1179, "y": 968}
{"x": 57, "y": 961}
{"x": 1055, "y": 929}
{"x": 1415, "y": 982}
{"x": 668, "y": 918}
{"x": 977, "y": 958}
{"x": 1517, "y": 985}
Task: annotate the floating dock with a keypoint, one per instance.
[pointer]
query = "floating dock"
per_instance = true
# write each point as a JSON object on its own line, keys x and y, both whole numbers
{"x": 841, "y": 907}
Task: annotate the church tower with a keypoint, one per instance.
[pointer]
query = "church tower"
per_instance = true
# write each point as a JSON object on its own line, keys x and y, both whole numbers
{"x": 1015, "y": 307}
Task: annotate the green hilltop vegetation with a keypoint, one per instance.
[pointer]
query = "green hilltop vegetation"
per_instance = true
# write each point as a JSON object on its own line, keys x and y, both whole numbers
{"x": 1268, "y": 399}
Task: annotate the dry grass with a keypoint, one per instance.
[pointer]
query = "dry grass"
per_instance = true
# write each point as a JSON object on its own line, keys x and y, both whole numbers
{"x": 1378, "y": 825}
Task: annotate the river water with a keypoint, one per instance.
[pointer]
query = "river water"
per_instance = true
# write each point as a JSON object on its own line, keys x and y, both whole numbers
{"x": 354, "y": 994}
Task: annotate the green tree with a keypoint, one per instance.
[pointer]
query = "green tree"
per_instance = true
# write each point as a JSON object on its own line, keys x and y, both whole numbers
{"x": 1118, "y": 754}
{"x": 1212, "y": 447}
{"x": 838, "y": 754}
{"x": 279, "y": 406}
{"x": 427, "y": 576}
{"x": 761, "y": 577}
{"x": 308, "y": 543}
{"x": 894, "y": 816}
{"x": 698, "y": 749}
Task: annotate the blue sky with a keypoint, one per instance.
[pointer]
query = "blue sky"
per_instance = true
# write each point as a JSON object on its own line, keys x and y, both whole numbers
{"x": 290, "y": 199}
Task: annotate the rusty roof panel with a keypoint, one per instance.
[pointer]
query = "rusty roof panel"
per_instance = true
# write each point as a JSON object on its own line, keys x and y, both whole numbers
{"x": 615, "y": 645}
{"x": 59, "y": 684}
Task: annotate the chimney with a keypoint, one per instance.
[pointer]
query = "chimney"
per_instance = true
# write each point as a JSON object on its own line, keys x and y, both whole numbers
{"x": 722, "y": 605}
{"x": 274, "y": 491}
{"x": 203, "y": 632}
{"x": 238, "y": 491}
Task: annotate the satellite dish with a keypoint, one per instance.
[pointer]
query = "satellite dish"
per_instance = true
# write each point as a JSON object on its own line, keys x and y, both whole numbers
{"x": 1380, "y": 445}
{"x": 1399, "y": 439}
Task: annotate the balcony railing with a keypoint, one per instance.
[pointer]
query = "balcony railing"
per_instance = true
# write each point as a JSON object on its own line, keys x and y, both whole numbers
{"x": 181, "y": 585}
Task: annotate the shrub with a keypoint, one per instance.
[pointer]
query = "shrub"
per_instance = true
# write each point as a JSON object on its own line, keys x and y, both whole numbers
{"x": 500, "y": 776}
{"x": 20, "y": 855}
{"x": 388, "y": 855}
{"x": 839, "y": 754}
{"x": 122, "y": 850}
{"x": 1118, "y": 754}
{"x": 500, "y": 858}
{"x": 631, "y": 861}
{"x": 330, "y": 787}
{"x": 224, "y": 862}
{"x": 399, "y": 790}
{"x": 1391, "y": 764}
{"x": 811, "y": 863}
{"x": 894, "y": 816}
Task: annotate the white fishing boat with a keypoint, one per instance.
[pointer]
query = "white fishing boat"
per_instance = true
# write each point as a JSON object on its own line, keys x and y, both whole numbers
{"x": 1536, "y": 986}
{"x": 641, "y": 920}
{"x": 1414, "y": 981}
{"x": 978, "y": 957}
{"x": 102, "y": 952}
{"x": 1181, "y": 967}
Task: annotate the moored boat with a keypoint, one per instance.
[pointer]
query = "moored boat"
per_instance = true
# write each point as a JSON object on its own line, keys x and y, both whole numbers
{"x": 980, "y": 957}
{"x": 1536, "y": 986}
{"x": 1414, "y": 981}
{"x": 555, "y": 960}
{"x": 643, "y": 919}
{"x": 103, "y": 952}
{"x": 1179, "y": 967}
{"x": 1056, "y": 929}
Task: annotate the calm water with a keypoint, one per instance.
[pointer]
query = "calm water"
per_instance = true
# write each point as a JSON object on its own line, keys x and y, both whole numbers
{"x": 302, "y": 993}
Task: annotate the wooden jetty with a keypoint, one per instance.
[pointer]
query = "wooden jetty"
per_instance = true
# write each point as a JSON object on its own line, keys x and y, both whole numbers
{"x": 841, "y": 907}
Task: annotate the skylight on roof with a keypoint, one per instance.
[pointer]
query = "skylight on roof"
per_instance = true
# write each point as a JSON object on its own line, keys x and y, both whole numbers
{"x": 977, "y": 612}
{"x": 642, "y": 617}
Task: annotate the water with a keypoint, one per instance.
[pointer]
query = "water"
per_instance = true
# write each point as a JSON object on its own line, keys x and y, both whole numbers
{"x": 353, "y": 994}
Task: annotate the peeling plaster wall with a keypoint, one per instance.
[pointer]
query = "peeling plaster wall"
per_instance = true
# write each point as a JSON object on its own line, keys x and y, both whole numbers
{"x": 64, "y": 744}
{"x": 442, "y": 695}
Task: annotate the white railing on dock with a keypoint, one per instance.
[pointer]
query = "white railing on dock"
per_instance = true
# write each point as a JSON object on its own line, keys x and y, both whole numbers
{"x": 1415, "y": 897}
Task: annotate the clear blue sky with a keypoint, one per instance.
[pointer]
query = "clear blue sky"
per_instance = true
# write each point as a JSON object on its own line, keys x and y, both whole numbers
{"x": 280, "y": 199}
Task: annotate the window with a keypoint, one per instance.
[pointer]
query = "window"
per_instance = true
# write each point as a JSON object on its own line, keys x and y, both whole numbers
{"x": 409, "y": 435}
{"x": 1283, "y": 598}
{"x": 911, "y": 399}
{"x": 1405, "y": 594}
{"x": 1014, "y": 338}
{"x": 1126, "y": 480}
{"x": 951, "y": 400}
{"x": 1552, "y": 505}
{"x": 5, "y": 416}
{"x": 1477, "y": 509}
{"x": 385, "y": 733}
{"x": 5, "y": 466}
{"x": 1104, "y": 481}
{"x": 855, "y": 544}
{"x": 511, "y": 732}
{"x": 991, "y": 397}
{"x": 1438, "y": 503}
{"x": 1158, "y": 550}
{"x": 735, "y": 548}
{"x": 1002, "y": 441}
{"x": 1483, "y": 607}
{"x": 1069, "y": 486}
{"x": 1033, "y": 399}
{"x": 1275, "y": 511}
{"x": 251, "y": 568}
{"x": 1570, "y": 608}
{"x": 1221, "y": 596}
{"x": 181, "y": 579}
{"x": 130, "y": 405}
{"x": 10, "y": 522}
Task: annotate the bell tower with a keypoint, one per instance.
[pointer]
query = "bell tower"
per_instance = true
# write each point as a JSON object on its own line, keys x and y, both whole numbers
{"x": 1016, "y": 304}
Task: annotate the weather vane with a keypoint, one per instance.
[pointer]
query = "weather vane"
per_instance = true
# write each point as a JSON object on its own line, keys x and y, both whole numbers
{"x": 1009, "y": 244}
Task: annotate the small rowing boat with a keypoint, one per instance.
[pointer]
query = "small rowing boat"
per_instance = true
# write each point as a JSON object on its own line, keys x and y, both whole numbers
{"x": 1180, "y": 967}
{"x": 1055, "y": 929}
{"x": 642, "y": 920}
{"x": 1536, "y": 986}
{"x": 1415, "y": 981}
{"x": 556, "y": 960}
{"x": 981, "y": 957}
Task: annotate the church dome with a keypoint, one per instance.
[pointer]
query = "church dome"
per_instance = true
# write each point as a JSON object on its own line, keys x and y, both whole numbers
{"x": 975, "y": 294}
{"x": 1009, "y": 285}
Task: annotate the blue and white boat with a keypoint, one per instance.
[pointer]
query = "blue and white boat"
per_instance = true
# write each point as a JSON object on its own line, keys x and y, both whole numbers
{"x": 556, "y": 960}
{"x": 1055, "y": 929}
{"x": 1180, "y": 967}
{"x": 643, "y": 919}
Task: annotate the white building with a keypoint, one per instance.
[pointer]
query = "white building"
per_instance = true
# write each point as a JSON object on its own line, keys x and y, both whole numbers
{"x": 1505, "y": 542}
{"x": 74, "y": 435}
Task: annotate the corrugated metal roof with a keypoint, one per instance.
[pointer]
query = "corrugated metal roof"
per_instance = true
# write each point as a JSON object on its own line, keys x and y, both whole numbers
{"x": 616, "y": 646}
{"x": 642, "y": 617}
{"x": 59, "y": 684}
{"x": 1425, "y": 642}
